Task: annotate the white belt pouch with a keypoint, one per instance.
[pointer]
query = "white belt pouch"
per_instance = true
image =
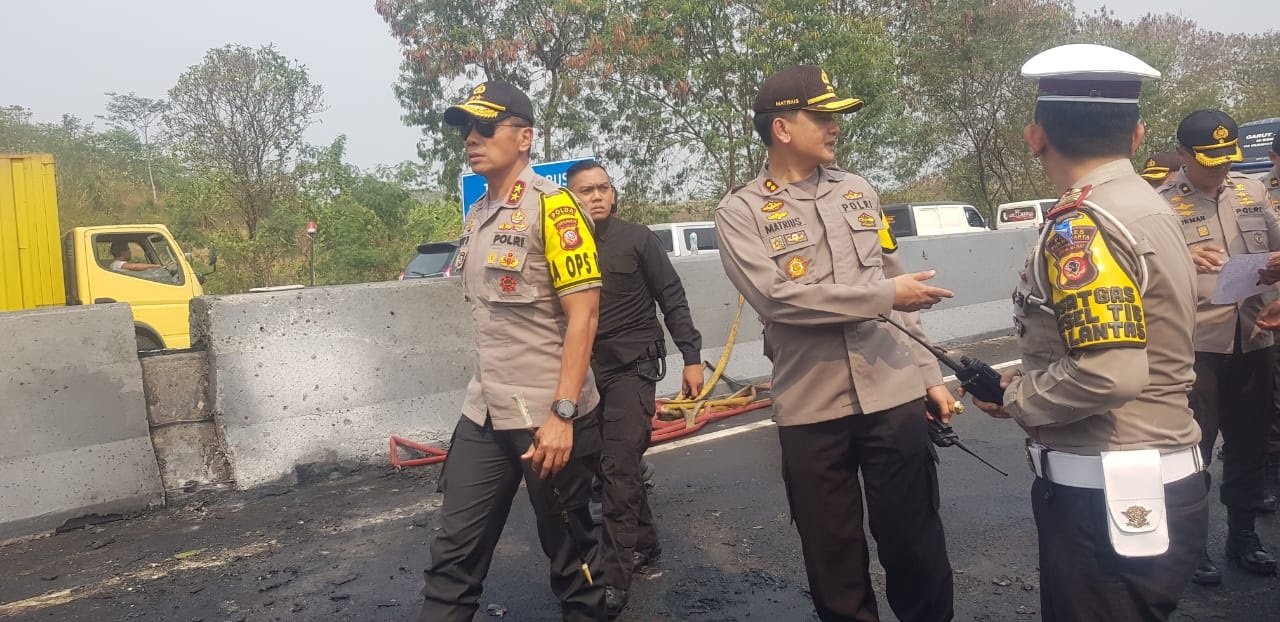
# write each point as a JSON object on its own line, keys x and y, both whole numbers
{"x": 1134, "y": 495}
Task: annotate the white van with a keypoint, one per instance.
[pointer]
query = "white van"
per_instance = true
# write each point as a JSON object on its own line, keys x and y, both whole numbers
{"x": 681, "y": 239}
{"x": 1023, "y": 214}
{"x": 933, "y": 218}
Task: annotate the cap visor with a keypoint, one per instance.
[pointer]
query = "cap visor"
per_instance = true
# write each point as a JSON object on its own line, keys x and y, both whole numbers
{"x": 1220, "y": 156}
{"x": 462, "y": 114}
{"x": 1155, "y": 175}
{"x": 849, "y": 104}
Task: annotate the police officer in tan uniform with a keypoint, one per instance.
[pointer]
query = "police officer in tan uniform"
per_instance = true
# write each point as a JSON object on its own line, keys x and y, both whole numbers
{"x": 806, "y": 244}
{"x": 1104, "y": 313}
{"x": 1272, "y": 476}
{"x": 1158, "y": 167}
{"x": 528, "y": 264}
{"x": 1225, "y": 214}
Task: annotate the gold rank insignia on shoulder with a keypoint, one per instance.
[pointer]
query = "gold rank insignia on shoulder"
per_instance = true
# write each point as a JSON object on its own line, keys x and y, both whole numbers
{"x": 517, "y": 191}
{"x": 797, "y": 267}
{"x": 1275, "y": 182}
{"x": 1069, "y": 200}
{"x": 852, "y": 196}
{"x": 1184, "y": 188}
{"x": 1137, "y": 516}
{"x": 771, "y": 206}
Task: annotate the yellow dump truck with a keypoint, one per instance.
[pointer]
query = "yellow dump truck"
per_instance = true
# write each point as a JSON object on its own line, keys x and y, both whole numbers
{"x": 140, "y": 265}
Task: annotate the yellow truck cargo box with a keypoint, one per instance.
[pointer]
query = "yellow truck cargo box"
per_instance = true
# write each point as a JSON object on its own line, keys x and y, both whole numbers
{"x": 31, "y": 271}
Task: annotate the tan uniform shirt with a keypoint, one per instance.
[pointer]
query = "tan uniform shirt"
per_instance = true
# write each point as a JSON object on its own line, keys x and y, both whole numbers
{"x": 812, "y": 265}
{"x": 516, "y": 259}
{"x": 1238, "y": 220}
{"x": 1107, "y": 363}
{"x": 1272, "y": 182}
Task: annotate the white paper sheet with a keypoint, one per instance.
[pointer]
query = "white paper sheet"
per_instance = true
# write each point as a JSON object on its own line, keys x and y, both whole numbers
{"x": 1238, "y": 279}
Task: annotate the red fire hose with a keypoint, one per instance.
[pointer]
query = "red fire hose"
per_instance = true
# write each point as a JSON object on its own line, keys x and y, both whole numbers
{"x": 673, "y": 418}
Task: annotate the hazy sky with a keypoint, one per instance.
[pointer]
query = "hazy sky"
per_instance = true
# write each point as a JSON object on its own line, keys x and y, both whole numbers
{"x": 63, "y": 55}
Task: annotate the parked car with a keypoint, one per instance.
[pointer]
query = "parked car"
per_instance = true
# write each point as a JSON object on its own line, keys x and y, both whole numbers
{"x": 1255, "y": 143}
{"x": 1023, "y": 214}
{"x": 681, "y": 239}
{"x": 433, "y": 260}
{"x": 933, "y": 218}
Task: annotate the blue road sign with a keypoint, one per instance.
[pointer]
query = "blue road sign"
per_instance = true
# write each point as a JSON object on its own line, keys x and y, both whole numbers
{"x": 473, "y": 186}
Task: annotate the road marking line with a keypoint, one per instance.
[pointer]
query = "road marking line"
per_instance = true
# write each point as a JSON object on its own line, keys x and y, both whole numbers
{"x": 137, "y": 578}
{"x": 740, "y": 429}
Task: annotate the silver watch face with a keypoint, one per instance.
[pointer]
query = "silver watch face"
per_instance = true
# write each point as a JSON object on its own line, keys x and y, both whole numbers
{"x": 564, "y": 409}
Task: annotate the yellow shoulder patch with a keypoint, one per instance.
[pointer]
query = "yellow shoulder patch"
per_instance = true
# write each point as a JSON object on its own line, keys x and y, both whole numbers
{"x": 569, "y": 244}
{"x": 888, "y": 243}
{"x": 1096, "y": 301}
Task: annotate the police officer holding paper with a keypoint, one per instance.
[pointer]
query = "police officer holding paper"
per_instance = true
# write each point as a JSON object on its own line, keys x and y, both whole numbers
{"x": 1225, "y": 214}
{"x": 1104, "y": 311}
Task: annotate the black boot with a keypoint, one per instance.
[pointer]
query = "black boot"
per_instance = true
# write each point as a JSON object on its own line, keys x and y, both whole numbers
{"x": 1207, "y": 572}
{"x": 615, "y": 600}
{"x": 1243, "y": 545}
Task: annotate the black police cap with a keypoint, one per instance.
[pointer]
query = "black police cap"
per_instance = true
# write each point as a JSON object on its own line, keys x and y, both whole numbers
{"x": 492, "y": 101}
{"x": 801, "y": 87}
{"x": 1212, "y": 135}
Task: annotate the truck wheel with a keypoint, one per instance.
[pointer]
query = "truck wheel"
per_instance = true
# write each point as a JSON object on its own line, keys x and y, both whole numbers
{"x": 147, "y": 342}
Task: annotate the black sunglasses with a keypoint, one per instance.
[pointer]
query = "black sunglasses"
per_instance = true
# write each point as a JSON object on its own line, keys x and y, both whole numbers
{"x": 485, "y": 128}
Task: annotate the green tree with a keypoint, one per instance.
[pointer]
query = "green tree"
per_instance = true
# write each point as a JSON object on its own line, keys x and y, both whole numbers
{"x": 681, "y": 78}
{"x": 960, "y": 65}
{"x": 138, "y": 115}
{"x": 240, "y": 114}
{"x": 540, "y": 46}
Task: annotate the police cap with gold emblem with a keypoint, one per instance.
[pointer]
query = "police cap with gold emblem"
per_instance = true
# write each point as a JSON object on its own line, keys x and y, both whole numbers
{"x": 1084, "y": 72}
{"x": 1212, "y": 135}
{"x": 802, "y": 87}
{"x": 1159, "y": 165}
{"x": 491, "y": 102}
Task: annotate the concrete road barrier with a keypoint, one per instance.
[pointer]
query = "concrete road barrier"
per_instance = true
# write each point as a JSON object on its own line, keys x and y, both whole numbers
{"x": 74, "y": 423}
{"x": 326, "y": 374}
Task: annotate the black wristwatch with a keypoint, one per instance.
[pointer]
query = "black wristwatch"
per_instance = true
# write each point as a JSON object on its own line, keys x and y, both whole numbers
{"x": 564, "y": 409}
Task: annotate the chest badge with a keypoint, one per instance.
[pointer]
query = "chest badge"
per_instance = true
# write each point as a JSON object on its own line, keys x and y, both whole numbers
{"x": 1260, "y": 238}
{"x": 771, "y": 206}
{"x": 797, "y": 268}
{"x": 777, "y": 215}
{"x": 852, "y": 196}
{"x": 507, "y": 284}
{"x": 1202, "y": 231}
{"x": 509, "y": 261}
{"x": 777, "y": 243}
{"x": 515, "y": 223}
{"x": 866, "y": 220}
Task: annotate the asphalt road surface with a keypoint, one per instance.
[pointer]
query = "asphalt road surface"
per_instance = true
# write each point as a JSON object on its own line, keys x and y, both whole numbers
{"x": 352, "y": 543}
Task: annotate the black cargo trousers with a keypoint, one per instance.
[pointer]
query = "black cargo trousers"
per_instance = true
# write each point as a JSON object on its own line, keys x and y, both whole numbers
{"x": 480, "y": 479}
{"x": 626, "y": 417}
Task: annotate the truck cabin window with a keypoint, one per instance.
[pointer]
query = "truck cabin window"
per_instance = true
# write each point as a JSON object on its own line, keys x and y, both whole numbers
{"x": 150, "y": 258}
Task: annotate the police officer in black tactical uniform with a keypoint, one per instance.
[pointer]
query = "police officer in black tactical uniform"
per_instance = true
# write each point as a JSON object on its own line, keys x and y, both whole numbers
{"x": 628, "y": 359}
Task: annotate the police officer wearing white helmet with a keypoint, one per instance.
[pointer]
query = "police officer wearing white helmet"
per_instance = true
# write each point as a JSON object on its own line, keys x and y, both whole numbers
{"x": 1104, "y": 311}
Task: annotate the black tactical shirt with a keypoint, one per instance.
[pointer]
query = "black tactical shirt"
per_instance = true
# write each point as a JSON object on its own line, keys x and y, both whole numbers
{"x": 638, "y": 273}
